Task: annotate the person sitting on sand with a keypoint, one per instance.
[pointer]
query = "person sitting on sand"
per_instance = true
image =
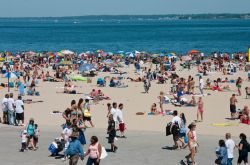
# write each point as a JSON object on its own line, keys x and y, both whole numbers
{"x": 192, "y": 102}
{"x": 247, "y": 92}
{"x": 154, "y": 109}
{"x": 138, "y": 79}
{"x": 245, "y": 116}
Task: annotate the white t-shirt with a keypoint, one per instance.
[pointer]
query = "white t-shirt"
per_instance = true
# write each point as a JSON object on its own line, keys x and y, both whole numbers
{"x": 5, "y": 105}
{"x": 114, "y": 113}
{"x": 119, "y": 115}
{"x": 19, "y": 104}
{"x": 201, "y": 83}
{"x": 10, "y": 104}
{"x": 176, "y": 119}
{"x": 67, "y": 132}
{"x": 230, "y": 148}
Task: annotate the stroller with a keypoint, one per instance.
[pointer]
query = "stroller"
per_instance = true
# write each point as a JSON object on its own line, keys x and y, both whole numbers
{"x": 56, "y": 146}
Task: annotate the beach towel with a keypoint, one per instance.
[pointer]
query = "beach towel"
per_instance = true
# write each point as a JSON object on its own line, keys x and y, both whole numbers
{"x": 224, "y": 124}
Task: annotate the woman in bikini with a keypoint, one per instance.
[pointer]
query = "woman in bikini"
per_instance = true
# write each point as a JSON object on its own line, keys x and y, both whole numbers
{"x": 200, "y": 109}
{"x": 161, "y": 98}
{"x": 192, "y": 143}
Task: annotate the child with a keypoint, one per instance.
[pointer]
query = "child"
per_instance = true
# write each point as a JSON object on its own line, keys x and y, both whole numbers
{"x": 36, "y": 135}
{"x": 112, "y": 133}
{"x": 24, "y": 140}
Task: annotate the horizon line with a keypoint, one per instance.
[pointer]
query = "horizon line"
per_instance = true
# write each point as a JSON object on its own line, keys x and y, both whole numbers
{"x": 96, "y": 15}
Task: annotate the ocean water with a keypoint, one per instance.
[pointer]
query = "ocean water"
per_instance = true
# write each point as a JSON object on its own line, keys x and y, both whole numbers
{"x": 124, "y": 33}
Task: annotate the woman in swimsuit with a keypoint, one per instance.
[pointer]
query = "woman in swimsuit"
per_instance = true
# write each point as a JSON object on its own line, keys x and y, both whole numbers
{"x": 192, "y": 143}
{"x": 200, "y": 109}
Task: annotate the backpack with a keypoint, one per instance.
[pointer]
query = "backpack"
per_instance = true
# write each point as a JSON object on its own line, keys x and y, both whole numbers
{"x": 248, "y": 147}
{"x": 168, "y": 127}
{"x": 175, "y": 129}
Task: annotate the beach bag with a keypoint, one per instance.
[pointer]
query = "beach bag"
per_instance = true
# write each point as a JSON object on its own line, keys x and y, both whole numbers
{"x": 168, "y": 129}
{"x": 104, "y": 153}
{"x": 186, "y": 139}
{"x": 217, "y": 161}
{"x": 86, "y": 113}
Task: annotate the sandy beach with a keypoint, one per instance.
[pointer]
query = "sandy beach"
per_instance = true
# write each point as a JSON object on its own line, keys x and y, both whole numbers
{"x": 216, "y": 105}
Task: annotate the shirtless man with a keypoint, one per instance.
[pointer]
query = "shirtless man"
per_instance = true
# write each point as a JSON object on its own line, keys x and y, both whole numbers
{"x": 233, "y": 102}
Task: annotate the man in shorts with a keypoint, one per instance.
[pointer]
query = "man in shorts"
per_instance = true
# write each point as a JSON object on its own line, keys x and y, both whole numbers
{"x": 233, "y": 102}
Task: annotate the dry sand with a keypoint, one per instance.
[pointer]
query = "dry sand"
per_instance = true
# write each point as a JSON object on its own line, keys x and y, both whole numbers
{"x": 216, "y": 106}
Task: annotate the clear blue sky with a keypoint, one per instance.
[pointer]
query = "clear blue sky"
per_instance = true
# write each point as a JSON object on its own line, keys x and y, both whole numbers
{"x": 44, "y": 8}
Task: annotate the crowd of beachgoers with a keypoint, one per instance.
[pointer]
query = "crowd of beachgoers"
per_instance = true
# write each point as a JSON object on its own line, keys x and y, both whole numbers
{"x": 21, "y": 73}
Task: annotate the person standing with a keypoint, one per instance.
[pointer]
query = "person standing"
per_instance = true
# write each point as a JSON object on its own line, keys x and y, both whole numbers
{"x": 19, "y": 111}
{"x": 243, "y": 149}
{"x": 238, "y": 85}
{"x": 200, "y": 109}
{"x": 161, "y": 101}
{"x": 230, "y": 144}
{"x": 11, "y": 110}
{"x": 74, "y": 150}
{"x": 120, "y": 120}
{"x": 201, "y": 84}
{"x": 5, "y": 109}
{"x": 112, "y": 133}
{"x": 233, "y": 102}
{"x": 94, "y": 151}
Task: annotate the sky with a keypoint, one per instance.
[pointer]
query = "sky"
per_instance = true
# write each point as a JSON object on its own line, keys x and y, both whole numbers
{"x": 59, "y": 8}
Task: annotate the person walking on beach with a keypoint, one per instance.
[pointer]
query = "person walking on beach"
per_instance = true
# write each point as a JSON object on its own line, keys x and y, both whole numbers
{"x": 11, "y": 110}
{"x": 74, "y": 150}
{"x": 112, "y": 133}
{"x": 200, "y": 110}
{"x": 175, "y": 128}
{"x": 221, "y": 153}
{"x": 192, "y": 143}
{"x": 201, "y": 85}
{"x": 19, "y": 111}
{"x": 94, "y": 151}
{"x": 5, "y": 109}
{"x": 243, "y": 148}
{"x": 233, "y": 102}
{"x": 120, "y": 120}
{"x": 230, "y": 144}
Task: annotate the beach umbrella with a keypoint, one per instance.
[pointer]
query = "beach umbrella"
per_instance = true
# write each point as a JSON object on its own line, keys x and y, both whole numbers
{"x": 162, "y": 55}
{"x": 68, "y": 52}
{"x": 108, "y": 61}
{"x": 59, "y": 54}
{"x": 10, "y": 75}
{"x": 66, "y": 63}
{"x": 110, "y": 53}
{"x": 86, "y": 67}
{"x": 30, "y": 53}
{"x": 155, "y": 55}
{"x": 186, "y": 58}
{"x": 193, "y": 52}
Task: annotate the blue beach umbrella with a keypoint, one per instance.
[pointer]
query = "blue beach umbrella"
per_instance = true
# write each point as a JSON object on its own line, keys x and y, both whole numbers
{"x": 86, "y": 67}
{"x": 108, "y": 61}
{"x": 10, "y": 75}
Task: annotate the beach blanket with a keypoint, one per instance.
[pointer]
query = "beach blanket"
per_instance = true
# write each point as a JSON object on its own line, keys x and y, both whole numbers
{"x": 30, "y": 101}
{"x": 224, "y": 124}
{"x": 56, "y": 113}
